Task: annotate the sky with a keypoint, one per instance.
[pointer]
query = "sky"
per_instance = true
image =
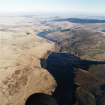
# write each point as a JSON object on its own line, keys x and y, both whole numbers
{"x": 54, "y": 6}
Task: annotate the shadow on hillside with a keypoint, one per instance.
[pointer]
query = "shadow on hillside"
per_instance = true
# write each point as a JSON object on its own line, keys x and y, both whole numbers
{"x": 62, "y": 67}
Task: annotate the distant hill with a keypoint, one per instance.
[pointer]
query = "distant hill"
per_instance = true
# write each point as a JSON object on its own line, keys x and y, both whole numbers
{"x": 81, "y": 21}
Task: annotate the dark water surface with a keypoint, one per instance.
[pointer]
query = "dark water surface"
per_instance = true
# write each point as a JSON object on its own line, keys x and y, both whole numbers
{"x": 62, "y": 67}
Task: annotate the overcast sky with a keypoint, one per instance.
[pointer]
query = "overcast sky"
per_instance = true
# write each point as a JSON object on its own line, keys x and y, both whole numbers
{"x": 58, "y": 6}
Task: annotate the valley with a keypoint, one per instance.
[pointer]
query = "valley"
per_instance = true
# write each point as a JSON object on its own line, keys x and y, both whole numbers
{"x": 61, "y": 57}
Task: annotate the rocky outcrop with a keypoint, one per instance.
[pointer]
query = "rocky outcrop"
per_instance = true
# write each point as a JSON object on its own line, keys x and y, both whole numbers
{"x": 20, "y": 71}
